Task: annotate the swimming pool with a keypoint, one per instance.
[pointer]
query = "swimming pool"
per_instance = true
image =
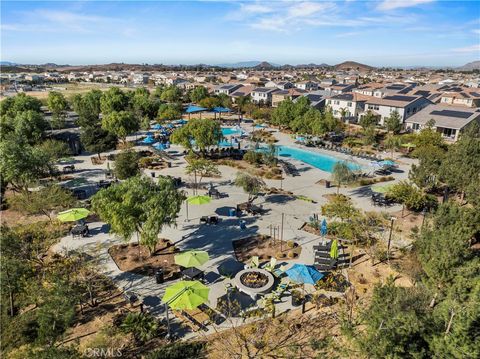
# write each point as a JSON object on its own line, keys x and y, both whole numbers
{"x": 231, "y": 131}
{"x": 315, "y": 159}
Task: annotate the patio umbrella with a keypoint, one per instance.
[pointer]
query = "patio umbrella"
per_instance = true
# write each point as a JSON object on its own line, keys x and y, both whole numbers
{"x": 158, "y": 146}
{"x": 186, "y": 295}
{"x": 199, "y": 200}
{"x": 73, "y": 214}
{"x": 157, "y": 126}
{"x": 191, "y": 258}
{"x": 378, "y": 188}
{"x": 334, "y": 249}
{"x": 323, "y": 228}
{"x": 148, "y": 140}
{"x": 376, "y": 165}
{"x": 302, "y": 273}
{"x": 409, "y": 145}
{"x": 387, "y": 163}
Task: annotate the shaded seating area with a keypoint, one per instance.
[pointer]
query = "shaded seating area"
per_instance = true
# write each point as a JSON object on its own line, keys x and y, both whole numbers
{"x": 250, "y": 208}
{"x": 209, "y": 220}
{"x": 80, "y": 230}
{"x": 378, "y": 199}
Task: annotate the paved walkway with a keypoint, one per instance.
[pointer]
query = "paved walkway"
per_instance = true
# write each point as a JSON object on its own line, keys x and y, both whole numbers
{"x": 217, "y": 240}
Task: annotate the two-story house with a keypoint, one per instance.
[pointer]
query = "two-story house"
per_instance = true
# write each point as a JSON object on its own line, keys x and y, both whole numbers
{"x": 227, "y": 89}
{"x": 406, "y": 106}
{"x": 263, "y": 95}
{"x": 347, "y": 106}
{"x": 306, "y": 85}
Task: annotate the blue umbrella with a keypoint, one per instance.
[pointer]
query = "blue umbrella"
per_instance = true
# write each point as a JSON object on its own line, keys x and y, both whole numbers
{"x": 158, "y": 146}
{"x": 169, "y": 125}
{"x": 387, "y": 163}
{"x": 148, "y": 140}
{"x": 221, "y": 109}
{"x": 323, "y": 227}
{"x": 157, "y": 126}
{"x": 193, "y": 109}
{"x": 302, "y": 273}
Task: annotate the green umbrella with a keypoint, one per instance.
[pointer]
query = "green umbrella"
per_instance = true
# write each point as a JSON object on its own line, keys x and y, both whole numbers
{"x": 334, "y": 249}
{"x": 191, "y": 258}
{"x": 199, "y": 200}
{"x": 73, "y": 214}
{"x": 381, "y": 188}
{"x": 186, "y": 295}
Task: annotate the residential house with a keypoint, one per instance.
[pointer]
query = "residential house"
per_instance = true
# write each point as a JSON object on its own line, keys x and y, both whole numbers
{"x": 466, "y": 97}
{"x": 317, "y": 98}
{"x": 282, "y": 85}
{"x": 282, "y": 95}
{"x": 393, "y": 89}
{"x": 448, "y": 120}
{"x": 242, "y": 92}
{"x": 406, "y": 106}
{"x": 263, "y": 95}
{"x": 306, "y": 85}
{"x": 346, "y": 105}
{"x": 337, "y": 89}
{"x": 227, "y": 89}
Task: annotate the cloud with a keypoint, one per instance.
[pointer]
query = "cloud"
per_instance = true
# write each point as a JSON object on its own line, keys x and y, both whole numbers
{"x": 307, "y": 8}
{"x": 348, "y": 34}
{"x": 471, "y": 48}
{"x": 388, "y": 5}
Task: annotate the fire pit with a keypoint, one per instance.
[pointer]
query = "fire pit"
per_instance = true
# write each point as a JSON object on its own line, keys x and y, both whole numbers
{"x": 254, "y": 281}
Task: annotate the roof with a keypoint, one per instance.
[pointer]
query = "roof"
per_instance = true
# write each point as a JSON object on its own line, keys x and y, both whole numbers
{"x": 394, "y": 100}
{"x": 265, "y": 89}
{"x": 445, "y": 116}
{"x": 350, "y": 96}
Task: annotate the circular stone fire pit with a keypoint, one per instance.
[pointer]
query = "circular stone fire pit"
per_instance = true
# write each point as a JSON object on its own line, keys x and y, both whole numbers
{"x": 253, "y": 281}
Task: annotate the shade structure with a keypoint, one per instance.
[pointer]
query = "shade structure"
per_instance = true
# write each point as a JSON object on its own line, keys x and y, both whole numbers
{"x": 221, "y": 109}
{"x": 194, "y": 109}
{"x": 190, "y": 259}
{"x": 302, "y": 273}
{"x": 148, "y": 140}
{"x": 378, "y": 188}
{"x": 157, "y": 127}
{"x": 323, "y": 228}
{"x": 199, "y": 200}
{"x": 73, "y": 214}
{"x": 186, "y": 295}
{"x": 376, "y": 165}
{"x": 334, "y": 249}
{"x": 159, "y": 146}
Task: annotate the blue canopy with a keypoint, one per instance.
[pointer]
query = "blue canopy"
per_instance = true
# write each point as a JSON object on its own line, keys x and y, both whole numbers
{"x": 157, "y": 126}
{"x": 169, "y": 125}
{"x": 323, "y": 228}
{"x": 180, "y": 121}
{"x": 302, "y": 273}
{"x": 387, "y": 163}
{"x": 158, "y": 146}
{"x": 221, "y": 109}
{"x": 193, "y": 109}
{"x": 148, "y": 140}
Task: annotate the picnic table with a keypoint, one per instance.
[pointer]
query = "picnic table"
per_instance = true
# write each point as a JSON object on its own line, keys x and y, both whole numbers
{"x": 198, "y": 315}
{"x": 80, "y": 230}
{"x": 192, "y": 273}
{"x": 209, "y": 219}
{"x": 68, "y": 169}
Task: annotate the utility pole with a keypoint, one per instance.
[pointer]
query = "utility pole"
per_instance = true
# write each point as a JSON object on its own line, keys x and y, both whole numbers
{"x": 390, "y": 238}
{"x": 281, "y": 236}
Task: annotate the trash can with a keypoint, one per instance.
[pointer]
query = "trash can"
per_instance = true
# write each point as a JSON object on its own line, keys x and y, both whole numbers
{"x": 153, "y": 174}
{"x": 232, "y": 212}
{"x": 159, "y": 276}
{"x": 327, "y": 184}
{"x": 243, "y": 224}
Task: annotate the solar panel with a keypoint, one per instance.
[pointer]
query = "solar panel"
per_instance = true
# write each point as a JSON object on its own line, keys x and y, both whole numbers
{"x": 451, "y": 113}
{"x": 422, "y": 93}
{"x": 395, "y": 87}
{"x": 399, "y": 98}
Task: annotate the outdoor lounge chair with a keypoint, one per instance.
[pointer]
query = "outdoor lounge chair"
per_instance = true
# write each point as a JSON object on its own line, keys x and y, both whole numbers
{"x": 253, "y": 262}
{"x": 279, "y": 272}
{"x": 270, "y": 266}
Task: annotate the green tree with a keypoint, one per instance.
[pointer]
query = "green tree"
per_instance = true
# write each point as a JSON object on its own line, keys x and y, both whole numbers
{"x": 28, "y": 126}
{"x": 392, "y": 143}
{"x": 97, "y": 140}
{"x": 240, "y": 103}
{"x": 21, "y": 164}
{"x": 143, "y": 105}
{"x": 138, "y": 205}
{"x": 44, "y": 201}
{"x": 284, "y": 114}
{"x": 342, "y": 174}
{"x": 198, "y": 94}
{"x": 250, "y": 184}
{"x": 12, "y": 106}
{"x": 210, "y": 102}
{"x": 370, "y": 135}
{"x": 87, "y": 107}
{"x": 410, "y": 196}
{"x": 144, "y": 327}
{"x": 340, "y": 206}
{"x": 427, "y": 137}
{"x": 126, "y": 164}
{"x": 54, "y": 149}
{"x": 205, "y": 133}
{"x": 169, "y": 112}
{"x": 121, "y": 124}
{"x": 57, "y": 103}
{"x": 393, "y": 123}
{"x": 368, "y": 120}
{"x": 113, "y": 100}
{"x": 426, "y": 174}
{"x": 171, "y": 94}
{"x": 202, "y": 167}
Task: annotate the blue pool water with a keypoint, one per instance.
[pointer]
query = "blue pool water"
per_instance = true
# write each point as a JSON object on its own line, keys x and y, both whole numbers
{"x": 231, "y": 131}
{"x": 318, "y": 160}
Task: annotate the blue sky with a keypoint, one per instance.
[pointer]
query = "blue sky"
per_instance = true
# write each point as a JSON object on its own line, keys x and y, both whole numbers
{"x": 380, "y": 33}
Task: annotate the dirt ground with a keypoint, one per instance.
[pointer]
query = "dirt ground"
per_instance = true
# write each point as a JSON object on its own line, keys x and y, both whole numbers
{"x": 265, "y": 248}
{"x": 137, "y": 259}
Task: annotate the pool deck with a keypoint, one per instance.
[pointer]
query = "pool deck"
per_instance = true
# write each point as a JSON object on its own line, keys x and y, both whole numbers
{"x": 217, "y": 239}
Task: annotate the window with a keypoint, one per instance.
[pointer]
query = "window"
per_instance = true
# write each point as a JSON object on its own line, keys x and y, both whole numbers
{"x": 349, "y": 104}
{"x": 373, "y": 107}
{"x": 416, "y": 126}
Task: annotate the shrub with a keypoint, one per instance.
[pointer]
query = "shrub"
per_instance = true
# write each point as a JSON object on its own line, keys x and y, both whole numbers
{"x": 179, "y": 350}
{"x": 143, "y": 327}
{"x": 253, "y": 157}
{"x": 126, "y": 164}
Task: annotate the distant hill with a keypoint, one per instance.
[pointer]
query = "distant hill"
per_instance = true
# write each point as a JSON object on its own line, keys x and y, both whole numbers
{"x": 475, "y": 65}
{"x": 311, "y": 65}
{"x": 352, "y": 65}
{"x": 248, "y": 64}
{"x": 264, "y": 66}
{"x": 7, "y": 63}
